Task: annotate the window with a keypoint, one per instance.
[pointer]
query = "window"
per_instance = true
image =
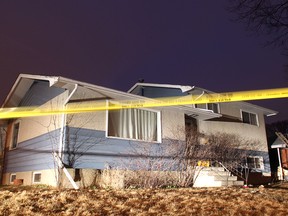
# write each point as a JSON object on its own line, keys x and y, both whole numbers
{"x": 12, "y": 177}
{"x": 255, "y": 162}
{"x": 36, "y": 177}
{"x": 214, "y": 107}
{"x": 15, "y": 135}
{"x": 134, "y": 124}
{"x": 249, "y": 118}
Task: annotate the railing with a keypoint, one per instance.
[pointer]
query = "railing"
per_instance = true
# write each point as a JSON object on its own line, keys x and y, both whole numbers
{"x": 236, "y": 169}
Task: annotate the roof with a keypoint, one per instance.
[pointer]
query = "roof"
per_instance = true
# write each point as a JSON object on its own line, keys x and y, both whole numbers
{"x": 191, "y": 89}
{"x": 25, "y": 81}
{"x": 278, "y": 143}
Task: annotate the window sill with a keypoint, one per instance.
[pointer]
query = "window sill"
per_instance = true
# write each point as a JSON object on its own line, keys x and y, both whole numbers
{"x": 130, "y": 139}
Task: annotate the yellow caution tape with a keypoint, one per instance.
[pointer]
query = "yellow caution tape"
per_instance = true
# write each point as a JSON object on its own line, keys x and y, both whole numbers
{"x": 18, "y": 112}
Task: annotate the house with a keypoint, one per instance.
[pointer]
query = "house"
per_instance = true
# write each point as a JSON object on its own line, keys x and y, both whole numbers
{"x": 281, "y": 146}
{"x": 240, "y": 118}
{"x": 50, "y": 149}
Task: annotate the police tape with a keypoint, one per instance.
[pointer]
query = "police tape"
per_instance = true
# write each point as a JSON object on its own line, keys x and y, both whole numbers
{"x": 84, "y": 107}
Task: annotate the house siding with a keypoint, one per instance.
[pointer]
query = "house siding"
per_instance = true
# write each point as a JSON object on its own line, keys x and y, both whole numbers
{"x": 33, "y": 154}
{"x": 157, "y": 92}
{"x": 92, "y": 149}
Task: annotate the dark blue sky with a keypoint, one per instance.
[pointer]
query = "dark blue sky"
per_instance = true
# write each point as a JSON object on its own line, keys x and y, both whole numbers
{"x": 114, "y": 43}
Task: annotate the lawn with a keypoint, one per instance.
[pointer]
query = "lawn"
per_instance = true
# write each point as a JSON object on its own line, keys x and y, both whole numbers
{"x": 180, "y": 201}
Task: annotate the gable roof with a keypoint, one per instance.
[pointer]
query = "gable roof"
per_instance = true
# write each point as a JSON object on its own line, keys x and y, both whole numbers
{"x": 190, "y": 89}
{"x": 25, "y": 81}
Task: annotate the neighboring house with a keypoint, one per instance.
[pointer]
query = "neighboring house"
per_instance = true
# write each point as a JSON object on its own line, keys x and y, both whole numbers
{"x": 281, "y": 163}
{"x": 87, "y": 143}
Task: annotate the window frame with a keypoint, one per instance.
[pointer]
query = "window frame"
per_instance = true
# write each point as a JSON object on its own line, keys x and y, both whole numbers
{"x": 250, "y": 122}
{"x": 218, "y": 107}
{"x": 33, "y": 177}
{"x": 10, "y": 178}
{"x": 158, "y": 122}
{"x": 261, "y": 162}
{"x": 12, "y": 147}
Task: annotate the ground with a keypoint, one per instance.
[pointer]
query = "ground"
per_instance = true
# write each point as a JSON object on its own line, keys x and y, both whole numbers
{"x": 178, "y": 201}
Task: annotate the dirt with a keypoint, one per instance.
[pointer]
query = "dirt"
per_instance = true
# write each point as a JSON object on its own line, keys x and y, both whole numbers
{"x": 181, "y": 201}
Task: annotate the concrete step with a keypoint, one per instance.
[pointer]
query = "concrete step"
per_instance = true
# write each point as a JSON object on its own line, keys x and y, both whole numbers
{"x": 225, "y": 178}
{"x": 233, "y": 183}
{"x": 238, "y": 183}
{"x": 216, "y": 177}
{"x": 214, "y": 172}
{"x": 213, "y": 169}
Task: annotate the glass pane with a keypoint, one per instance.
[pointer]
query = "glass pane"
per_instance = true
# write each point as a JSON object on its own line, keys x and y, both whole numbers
{"x": 253, "y": 119}
{"x": 245, "y": 117}
{"x": 15, "y": 135}
{"x": 37, "y": 177}
{"x": 213, "y": 107}
{"x": 12, "y": 178}
{"x": 133, "y": 124}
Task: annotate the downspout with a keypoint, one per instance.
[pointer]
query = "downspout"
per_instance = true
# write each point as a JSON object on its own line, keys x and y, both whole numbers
{"x": 63, "y": 124}
{"x": 62, "y": 143}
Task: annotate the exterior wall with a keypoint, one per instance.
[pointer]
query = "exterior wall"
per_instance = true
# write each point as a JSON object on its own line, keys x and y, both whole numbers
{"x": 38, "y": 137}
{"x": 245, "y": 131}
{"x": 231, "y": 109}
{"x": 173, "y": 125}
{"x": 90, "y": 120}
{"x": 92, "y": 177}
{"x": 31, "y": 155}
{"x": 47, "y": 177}
{"x": 87, "y": 146}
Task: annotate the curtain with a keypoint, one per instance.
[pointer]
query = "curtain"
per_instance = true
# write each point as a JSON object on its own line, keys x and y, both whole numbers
{"x": 133, "y": 124}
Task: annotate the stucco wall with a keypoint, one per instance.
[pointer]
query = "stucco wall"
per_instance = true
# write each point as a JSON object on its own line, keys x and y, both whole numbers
{"x": 41, "y": 125}
{"x": 91, "y": 120}
{"x": 173, "y": 124}
{"x": 47, "y": 177}
{"x": 245, "y": 131}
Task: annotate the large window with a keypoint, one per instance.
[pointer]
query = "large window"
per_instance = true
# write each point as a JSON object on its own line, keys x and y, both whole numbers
{"x": 15, "y": 135}
{"x": 255, "y": 162}
{"x": 249, "y": 118}
{"x": 134, "y": 124}
{"x": 214, "y": 107}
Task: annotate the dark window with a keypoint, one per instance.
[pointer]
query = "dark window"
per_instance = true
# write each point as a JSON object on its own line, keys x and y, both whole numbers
{"x": 37, "y": 177}
{"x": 255, "y": 162}
{"x": 249, "y": 118}
{"x": 12, "y": 177}
{"x": 15, "y": 135}
{"x": 213, "y": 106}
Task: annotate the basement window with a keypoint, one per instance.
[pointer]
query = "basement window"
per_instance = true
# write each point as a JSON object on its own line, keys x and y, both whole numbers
{"x": 36, "y": 177}
{"x": 12, "y": 178}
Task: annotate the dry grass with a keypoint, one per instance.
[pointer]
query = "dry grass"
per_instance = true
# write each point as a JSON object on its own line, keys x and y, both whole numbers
{"x": 183, "y": 201}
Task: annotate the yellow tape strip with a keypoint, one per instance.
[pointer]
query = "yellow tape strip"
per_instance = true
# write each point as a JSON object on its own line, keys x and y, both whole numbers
{"x": 17, "y": 112}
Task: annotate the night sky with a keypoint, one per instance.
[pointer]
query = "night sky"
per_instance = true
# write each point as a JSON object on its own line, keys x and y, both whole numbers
{"x": 115, "y": 43}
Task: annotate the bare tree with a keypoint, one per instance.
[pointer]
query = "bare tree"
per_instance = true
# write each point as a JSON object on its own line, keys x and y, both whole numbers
{"x": 74, "y": 132}
{"x": 264, "y": 17}
{"x": 178, "y": 162}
